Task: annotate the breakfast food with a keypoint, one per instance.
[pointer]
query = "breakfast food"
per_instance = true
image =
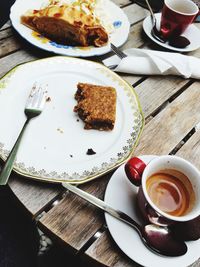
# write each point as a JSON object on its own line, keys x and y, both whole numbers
{"x": 69, "y": 23}
{"x": 96, "y": 106}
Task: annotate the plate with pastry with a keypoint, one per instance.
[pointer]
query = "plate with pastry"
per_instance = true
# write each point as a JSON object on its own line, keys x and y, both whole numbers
{"x": 71, "y": 27}
{"x": 91, "y": 122}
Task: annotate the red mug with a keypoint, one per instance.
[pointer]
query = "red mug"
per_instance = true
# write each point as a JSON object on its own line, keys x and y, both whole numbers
{"x": 164, "y": 201}
{"x": 176, "y": 16}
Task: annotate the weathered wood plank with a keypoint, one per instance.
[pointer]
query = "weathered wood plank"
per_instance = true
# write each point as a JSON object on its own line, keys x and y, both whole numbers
{"x": 73, "y": 220}
{"x": 8, "y": 45}
{"x": 195, "y": 264}
{"x": 169, "y": 127}
{"x": 10, "y": 61}
{"x": 106, "y": 252}
{"x": 135, "y": 13}
{"x": 191, "y": 150}
{"x": 6, "y": 33}
{"x": 156, "y": 90}
{"x": 34, "y": 195}
{"x": 6, "y": 25}
{"x": 135, "y": 39}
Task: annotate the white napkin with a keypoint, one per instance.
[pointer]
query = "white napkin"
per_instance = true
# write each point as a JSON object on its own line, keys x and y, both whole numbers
{"x": 149, "y": 62}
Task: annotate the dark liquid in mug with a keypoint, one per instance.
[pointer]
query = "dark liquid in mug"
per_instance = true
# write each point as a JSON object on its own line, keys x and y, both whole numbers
{"x": 171, "y": 191}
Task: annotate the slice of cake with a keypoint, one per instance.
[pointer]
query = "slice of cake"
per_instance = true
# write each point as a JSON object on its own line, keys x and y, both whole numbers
{"x": 67, "y": 24}
{"x": 96, "y": 106}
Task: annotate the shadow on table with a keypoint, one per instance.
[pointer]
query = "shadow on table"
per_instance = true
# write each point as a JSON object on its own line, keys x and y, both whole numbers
{"x": 19, "y": 239}
{"x": 57, "y": 257}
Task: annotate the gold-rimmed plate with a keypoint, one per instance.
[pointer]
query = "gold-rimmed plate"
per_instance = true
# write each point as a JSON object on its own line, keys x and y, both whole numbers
{"x": 55, "y": 144}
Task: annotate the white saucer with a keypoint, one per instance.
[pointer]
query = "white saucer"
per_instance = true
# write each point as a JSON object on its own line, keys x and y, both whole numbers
{"x": 121, "y": 194}
{"x": 192, "y": 33}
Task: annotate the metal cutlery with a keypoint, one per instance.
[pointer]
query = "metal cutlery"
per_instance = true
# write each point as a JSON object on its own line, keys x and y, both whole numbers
{"x": 154, "y": 31}
{"x": 159, "y": 239}
{"x": 33, "y": 108}
{"x": 118, "y": 52}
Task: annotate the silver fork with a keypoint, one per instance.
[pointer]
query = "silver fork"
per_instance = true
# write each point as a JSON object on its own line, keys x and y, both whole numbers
{"x": 118, "y": 52}
{"x": 33, "y": 108}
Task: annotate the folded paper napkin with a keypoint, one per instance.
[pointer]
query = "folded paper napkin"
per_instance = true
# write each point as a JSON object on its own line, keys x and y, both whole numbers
{"x": 149, "y": 62}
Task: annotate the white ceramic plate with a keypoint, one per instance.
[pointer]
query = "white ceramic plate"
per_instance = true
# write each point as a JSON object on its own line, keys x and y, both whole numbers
{"x": 192, "y": 33}
{"x": 55, "y": 144}
{"x": 117, "y": 37}
{"x": 121, "y": 194}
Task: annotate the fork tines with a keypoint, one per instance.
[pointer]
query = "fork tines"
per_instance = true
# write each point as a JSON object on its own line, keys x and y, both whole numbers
{"x": 37, "y": 95}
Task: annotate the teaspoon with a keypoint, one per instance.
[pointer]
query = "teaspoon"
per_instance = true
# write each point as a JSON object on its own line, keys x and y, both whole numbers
{"x": 155, "y": 33}
{"x": 159, "y": 239}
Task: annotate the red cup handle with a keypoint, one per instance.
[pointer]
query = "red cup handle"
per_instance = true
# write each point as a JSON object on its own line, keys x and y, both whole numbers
{"x": 134, "y": 169}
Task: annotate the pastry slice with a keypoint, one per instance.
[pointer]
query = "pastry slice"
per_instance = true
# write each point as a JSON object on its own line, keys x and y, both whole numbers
{"x": 96, "y": 106}
{"x": 66, "y": 24}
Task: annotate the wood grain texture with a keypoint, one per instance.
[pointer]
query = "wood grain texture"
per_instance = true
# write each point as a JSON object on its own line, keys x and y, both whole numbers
{"x": 135, "y": 38}
{"x": 105, "y": 252}
{"x": 74, "y": 221}
{"x": 169, "y": 127}
{"x": 156, "y": 90}
{"x": 6, "y": 33}
{"x": 34, "y": 195}
{"x": 191, "y": 149}
{"x": 8, "y": 45}
{"x": 135, "y": 13}
{"x": 6, "y": 25}
{"x": 10, "y": 61}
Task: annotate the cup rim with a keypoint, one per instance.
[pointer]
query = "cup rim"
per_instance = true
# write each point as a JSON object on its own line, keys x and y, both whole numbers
{"x": 183, "y": 218}
{"x": 182, "y": 13}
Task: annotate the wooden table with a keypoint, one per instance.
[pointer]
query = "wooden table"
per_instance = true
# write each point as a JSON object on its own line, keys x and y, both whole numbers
{"x": 171, "y": 108}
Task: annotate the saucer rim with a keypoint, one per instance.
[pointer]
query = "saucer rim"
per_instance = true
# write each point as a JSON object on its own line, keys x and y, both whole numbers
{"x": 166, "y": 45}
{"x": 183, "y": 261}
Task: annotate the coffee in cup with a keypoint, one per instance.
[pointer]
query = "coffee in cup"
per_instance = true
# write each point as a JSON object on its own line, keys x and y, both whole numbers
{"x": 171, "y": 191}
{"x": 169, "y": 188}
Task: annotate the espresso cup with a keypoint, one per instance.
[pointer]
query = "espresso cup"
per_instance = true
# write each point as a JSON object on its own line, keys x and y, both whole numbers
{"x": 169, "y": 189}
{"x": 176, "y": 16}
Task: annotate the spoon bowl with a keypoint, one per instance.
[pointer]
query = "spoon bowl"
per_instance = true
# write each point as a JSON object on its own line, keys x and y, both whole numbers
{"x": 154, "y": 32}
{"x": 162, "y": 241}
{"x": 158, "y": 239}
